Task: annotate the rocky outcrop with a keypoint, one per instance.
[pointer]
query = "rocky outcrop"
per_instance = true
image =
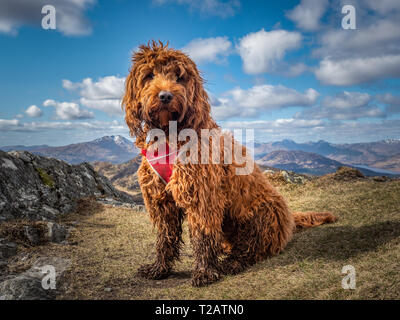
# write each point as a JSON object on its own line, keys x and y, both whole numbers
{"x": 7, "y": 249}
{"x": 33, "y": 233}
{"x": 32, "y": 284}
{"x": 282, "y": 176}
{"x": 38, "y": 188}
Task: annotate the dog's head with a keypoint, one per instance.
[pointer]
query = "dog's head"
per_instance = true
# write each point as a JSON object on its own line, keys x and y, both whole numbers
{"x": 164, "y": 85}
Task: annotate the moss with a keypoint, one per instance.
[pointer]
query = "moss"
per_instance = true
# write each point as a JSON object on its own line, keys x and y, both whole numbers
{"x": 45, "y": 177}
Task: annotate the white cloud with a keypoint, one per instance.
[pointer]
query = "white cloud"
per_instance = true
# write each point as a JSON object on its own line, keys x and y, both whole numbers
{"x": 106, "y": 126}
{"x": 253, "y": 101}
{"x": 370, "y": 53}
{"x": 278, "y": 123}
{"x": 209, "y": 49}
{"x": 6, "y": 125}
{"x": 68, "y": 110}
{"x": 212, "y": 7}
{"x": 388, "y": 98}
{"x": 70, "y": 14}
{"x": 343, "y": 106}
{"x": 261, "y": 50}
{"x": 272, "y": 97}
{"x": 384, "y": 6}
{"x": 105, "y": 88}
{"x": 341, "y": 114}
{"x": 316, "y": 129}
{"x": 308, "y": 13}
{"x": 392, "y": 102}
{"x": 34, "y": 112}
{"x": 378, "y": 38}
{"x": 296, "y": 69}
{"x": 346, "y": 72}
{"x": 104, "y": 95}
{"x": 347, "y": 100}
{"x": 110, "y": 106}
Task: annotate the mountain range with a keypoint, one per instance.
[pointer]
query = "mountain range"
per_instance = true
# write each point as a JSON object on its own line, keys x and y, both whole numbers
{"x": 304, "y": 162}
{"x": 318, "y": 158}
{"x": 384, "y": 154}
{"x": 114, "y": 149}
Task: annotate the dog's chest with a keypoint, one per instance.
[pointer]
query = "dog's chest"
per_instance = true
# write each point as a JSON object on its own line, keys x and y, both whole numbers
{"x": 161, "y": 162}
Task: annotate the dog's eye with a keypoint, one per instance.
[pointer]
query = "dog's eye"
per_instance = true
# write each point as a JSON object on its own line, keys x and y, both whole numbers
{"x": 150, "y": 76}
{"x": 180, "y": 79}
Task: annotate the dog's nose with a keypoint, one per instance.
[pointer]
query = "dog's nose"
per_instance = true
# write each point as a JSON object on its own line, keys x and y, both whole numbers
{"x": 165, "y": 96}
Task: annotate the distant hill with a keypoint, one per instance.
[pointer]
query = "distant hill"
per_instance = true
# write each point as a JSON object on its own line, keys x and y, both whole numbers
{"x": 304, "y": 162}
{"x": 299, "y": 161}
{"x": 114, "y": 149}
{"x": 123, "y": 175}
{"x": 384, "y": 154}
{"x": 320, "y": 147}
{"x": 391, "y": 163}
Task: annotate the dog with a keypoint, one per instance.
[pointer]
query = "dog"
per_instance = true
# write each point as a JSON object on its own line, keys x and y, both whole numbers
{"x": 235, "y": 220}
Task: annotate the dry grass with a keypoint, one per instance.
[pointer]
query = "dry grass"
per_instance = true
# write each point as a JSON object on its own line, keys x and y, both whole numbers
{"x": 108, "y": 245}
{"x": 14, "y": 231}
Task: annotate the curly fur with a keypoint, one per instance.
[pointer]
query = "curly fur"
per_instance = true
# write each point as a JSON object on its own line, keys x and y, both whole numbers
{"x": 242, "y": 216}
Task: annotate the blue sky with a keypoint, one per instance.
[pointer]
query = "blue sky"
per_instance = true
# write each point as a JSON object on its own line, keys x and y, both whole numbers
{"x": 285, "y": 68}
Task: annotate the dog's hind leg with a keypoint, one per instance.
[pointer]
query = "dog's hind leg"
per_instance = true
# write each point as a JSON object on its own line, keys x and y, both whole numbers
{"x": 265, "y": 234}
{"x": 244, "y": 241}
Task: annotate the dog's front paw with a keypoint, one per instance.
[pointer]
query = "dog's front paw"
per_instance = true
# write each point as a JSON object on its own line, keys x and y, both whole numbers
{"x": 153, "y": 271}
{"x": 205, "y": 277}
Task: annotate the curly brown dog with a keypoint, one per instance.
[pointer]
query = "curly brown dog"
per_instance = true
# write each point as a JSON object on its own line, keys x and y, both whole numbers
{"x": 241, "y": 218}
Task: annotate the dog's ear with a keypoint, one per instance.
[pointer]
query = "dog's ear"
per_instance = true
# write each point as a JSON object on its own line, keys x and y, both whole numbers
{"x": 132, "y": 107}
{"x": 200, "y": 113}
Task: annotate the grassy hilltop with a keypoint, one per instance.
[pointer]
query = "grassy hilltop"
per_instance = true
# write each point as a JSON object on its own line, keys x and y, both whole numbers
{"x": 108, "y": 244}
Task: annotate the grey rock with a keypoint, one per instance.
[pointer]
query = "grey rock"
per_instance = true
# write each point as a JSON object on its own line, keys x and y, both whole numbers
{"x": 116, "y": 203}
{"x": 60, "y": 265}
{"x": 7, "y": 249}
{"x": 294, "y": 178}
{"x": 56, "y": 232}
{"x": 3, "y": 264}
{"x": 289, "y": 176}
{"x": 139, "y": 207}
{"x": 28, "y": 285}
{"x": 24, "y": 287}
{"x": 32, "y": 234}
{"x": 39, "y": 188}
{"x": 269, "y": 171}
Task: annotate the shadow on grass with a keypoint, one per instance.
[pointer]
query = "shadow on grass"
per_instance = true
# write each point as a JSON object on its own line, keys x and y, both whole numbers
{"x": 342, "y": 242}
{"x": 332, "y": 243}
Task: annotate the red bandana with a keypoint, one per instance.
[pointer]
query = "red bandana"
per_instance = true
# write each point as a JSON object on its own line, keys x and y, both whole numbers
{"x": 161, "y": 161}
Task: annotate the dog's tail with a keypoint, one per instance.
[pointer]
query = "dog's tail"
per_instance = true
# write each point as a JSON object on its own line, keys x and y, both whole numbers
{"x": 312, "y": 219}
